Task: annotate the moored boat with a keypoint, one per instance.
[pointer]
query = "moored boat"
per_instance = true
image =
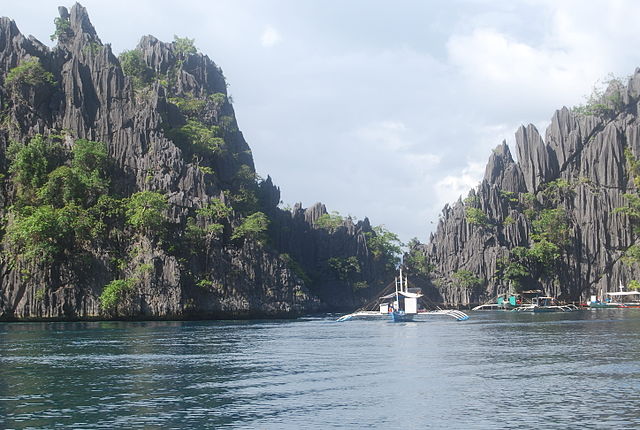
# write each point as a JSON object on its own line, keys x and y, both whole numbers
{"x": 541, "y": 304}
{"x": 502, "y": 303}
{"x": 617, "y": 299}
{"x": 401, "y": 305}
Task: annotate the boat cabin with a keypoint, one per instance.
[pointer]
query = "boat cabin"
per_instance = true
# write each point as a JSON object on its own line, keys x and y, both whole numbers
{"x": 530, "y": 296}
{"x": 406, "y": 301}
{"x": 616, "y": 299}
{"x": 626, "y": 299}
{"x": 544, "y": 301}
{"x": 504, "y": 302}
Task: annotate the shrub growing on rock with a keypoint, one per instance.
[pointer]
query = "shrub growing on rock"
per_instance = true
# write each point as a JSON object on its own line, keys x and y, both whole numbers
{"x": 29, "y": 72}
{"x": 113, "y": 293}
{"x": 145, "y": 211}
{"x": 253, "y": 227}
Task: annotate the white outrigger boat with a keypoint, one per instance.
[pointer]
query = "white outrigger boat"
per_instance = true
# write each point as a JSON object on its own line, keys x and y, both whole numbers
{"x": 616, "y": 299}
{"x": 526, "y": 301}
{"x": 502, "y": 303}
{"x": 545, "y": 304}
{"x": 401, "y": 305}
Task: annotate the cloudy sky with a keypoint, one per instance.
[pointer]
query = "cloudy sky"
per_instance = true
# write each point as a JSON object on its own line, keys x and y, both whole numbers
{"x": 385, "y": 109}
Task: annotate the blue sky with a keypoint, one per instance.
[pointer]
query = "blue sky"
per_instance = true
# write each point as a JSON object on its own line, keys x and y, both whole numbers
{"x": 376, "y": 108}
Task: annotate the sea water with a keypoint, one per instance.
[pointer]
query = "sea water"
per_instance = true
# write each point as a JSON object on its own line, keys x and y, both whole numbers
{"x": 497, "y": 370}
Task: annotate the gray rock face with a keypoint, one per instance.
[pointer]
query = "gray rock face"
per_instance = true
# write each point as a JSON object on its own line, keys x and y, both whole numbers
{"x": 536, "y": 159}
{"x": 581, "y": 169}
{"x": 93, "y": 99}
{"x": 503, "y": 172}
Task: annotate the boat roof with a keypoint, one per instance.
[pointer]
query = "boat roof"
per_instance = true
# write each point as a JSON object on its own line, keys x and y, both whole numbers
{"x": 402, "y": 293}
{"x": 487, "y": 305}
{"x": 624, "y": 293}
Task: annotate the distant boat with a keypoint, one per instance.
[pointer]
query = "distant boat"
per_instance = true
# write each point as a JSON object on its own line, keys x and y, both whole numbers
{"x": 403, "y": 304}
{"x": 400, "y": 305}
{"x": 526, "y": 301}
{"x": 502, "y": 303}
{"x": 545, "y": 304}
{"x": 616, "y": 299}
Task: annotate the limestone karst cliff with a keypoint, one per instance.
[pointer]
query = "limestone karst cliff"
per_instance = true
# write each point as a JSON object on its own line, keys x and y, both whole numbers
{"x": 128, "y": 191}
{"x": 550, "y": 220}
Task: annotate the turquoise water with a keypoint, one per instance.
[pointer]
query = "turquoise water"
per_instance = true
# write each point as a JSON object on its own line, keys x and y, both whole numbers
{"x": 497, "y": 370}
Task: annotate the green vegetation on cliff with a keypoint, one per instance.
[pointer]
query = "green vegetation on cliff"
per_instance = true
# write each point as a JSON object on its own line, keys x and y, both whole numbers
{"x": 145, "y": 211}
{"x": 476, "y": 216}
{"x": 252, "y": 227}
{"x": 631, "y": 255}
{"x": 330, "y": 222}
{"x": 549, "y": 239}
{"x": 416, "y": 260}
{"x": 197, "y": 138}
{"x": 466, "y": 279}
{"x": 385, "y": 247}
{"x": 605, "y": 100}
{"x": 55, "y": 204}
{"x": 473, "y": 214}
{"x": 114, "y": 292}
{"x": 184, "y": 46}
{"x": 29, "y": 72}
{"x": 134, "y": 66}
{"x": 62, "y": 27}
{"x": 147, "y": 203}
{"x": 345, "y": 268}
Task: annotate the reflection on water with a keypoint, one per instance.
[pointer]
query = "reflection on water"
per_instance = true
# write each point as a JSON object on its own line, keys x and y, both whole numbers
{"x": 497, "y": 370}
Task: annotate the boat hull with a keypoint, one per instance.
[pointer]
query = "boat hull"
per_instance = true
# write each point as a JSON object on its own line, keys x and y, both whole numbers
{"x": 605, "y": 305}
{"x": 613, "y": 305}
{"x": 458, "y": 315}
{"x": 545, "y": 309}
{"x": 397, "y": 316}
{"x": 492, "y": 307}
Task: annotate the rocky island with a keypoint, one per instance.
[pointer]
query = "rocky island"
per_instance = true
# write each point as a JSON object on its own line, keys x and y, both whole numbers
{"x": 561, "y": 219}
{"x": 128, "y": 191}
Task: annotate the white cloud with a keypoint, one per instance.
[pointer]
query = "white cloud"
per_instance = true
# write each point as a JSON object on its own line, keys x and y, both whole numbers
{"x": 451, "y": 187}
{"x": 512, "y": 76}
{"x": 270, "y": 37}
{"x": 394, "y": 145}
{"x": 523, "y": 78}
{"x": 386, "y": 135}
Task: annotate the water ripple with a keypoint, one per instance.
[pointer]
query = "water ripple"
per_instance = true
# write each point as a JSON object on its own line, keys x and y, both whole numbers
{"x": 579, "y": 370}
